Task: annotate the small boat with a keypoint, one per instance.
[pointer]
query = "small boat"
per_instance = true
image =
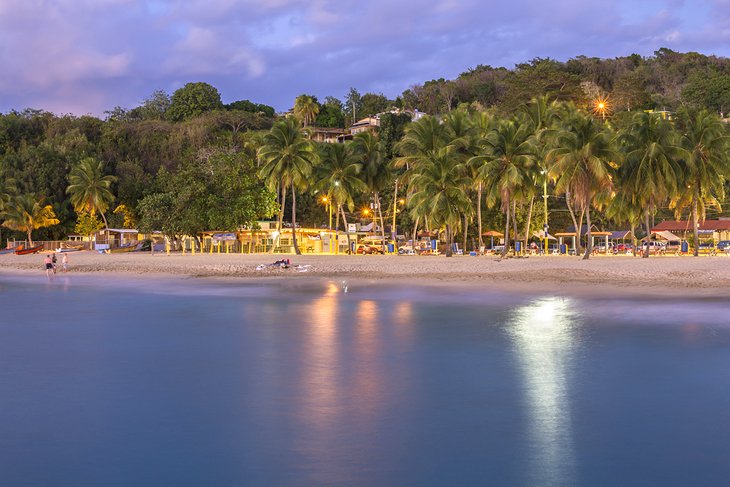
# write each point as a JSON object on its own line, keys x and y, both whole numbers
{"x": 68, "y": 249}
{"x": 12, "y": 250}
{"x": 31, "y": 250}
{"x": 130, "y": 247}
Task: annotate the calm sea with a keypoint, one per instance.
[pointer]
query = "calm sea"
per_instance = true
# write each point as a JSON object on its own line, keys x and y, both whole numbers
{"x": 193, "y": 383}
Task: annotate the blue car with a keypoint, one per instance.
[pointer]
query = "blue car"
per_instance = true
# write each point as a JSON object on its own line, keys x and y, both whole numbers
{"x": 723, "y": 245}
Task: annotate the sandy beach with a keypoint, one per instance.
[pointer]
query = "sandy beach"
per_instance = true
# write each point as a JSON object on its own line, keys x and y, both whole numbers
{"x": 660, "y": 275}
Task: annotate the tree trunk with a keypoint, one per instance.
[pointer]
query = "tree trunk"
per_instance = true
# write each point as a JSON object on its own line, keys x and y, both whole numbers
{"x": 382, "y": 222}
{"x": 394, "y": 229}
{"x": 514, "y": 222}
{"x": 347, "y": 231}
{"x": 30, "y": 240}
{"x": 466, "y": 231}
{"x": 633, "y": 240}
{"x": 506, "y": 229}
{"x": 106, "y": 225}
{"x": 572, "y": 217}
{"x": 479, "y": 214}
{"x": 279, "y": 223}
{"x": 297, "y": 250}
{"x": 648, "y": 234}
{"x": 529, "y": 219}
{"x": 695, "y": 225}
{"x": 415, "y": 233}
{"x": 449, "y": 241}
{"x": 589, "y": 242}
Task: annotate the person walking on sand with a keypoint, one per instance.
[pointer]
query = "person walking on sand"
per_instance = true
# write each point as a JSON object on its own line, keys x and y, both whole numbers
{"x": 49, "y": 266}
{"x": 54, "y": 261}
{"x": 64, "y": 262}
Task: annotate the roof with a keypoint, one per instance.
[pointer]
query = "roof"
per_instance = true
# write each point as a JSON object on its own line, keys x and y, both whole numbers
{"x": 121, "y": 230}
{"x": 686, "y": 226}
{"x": 666, "y": 235}
{"x": 620, "y": 234}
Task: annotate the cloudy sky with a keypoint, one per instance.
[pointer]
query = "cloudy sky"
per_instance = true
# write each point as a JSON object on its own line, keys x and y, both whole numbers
{"x": 87, "y": 56}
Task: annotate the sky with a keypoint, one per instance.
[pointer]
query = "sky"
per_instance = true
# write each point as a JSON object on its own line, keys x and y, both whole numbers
{"x": 87, "y": 56}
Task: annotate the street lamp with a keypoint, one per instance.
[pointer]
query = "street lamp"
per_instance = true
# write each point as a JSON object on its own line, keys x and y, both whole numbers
{"x": 327, "y": 202}
{"x": 601, "y": 107}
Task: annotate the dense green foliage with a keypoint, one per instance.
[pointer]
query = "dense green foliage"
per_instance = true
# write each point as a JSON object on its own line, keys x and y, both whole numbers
{"x": 186, "y": 163}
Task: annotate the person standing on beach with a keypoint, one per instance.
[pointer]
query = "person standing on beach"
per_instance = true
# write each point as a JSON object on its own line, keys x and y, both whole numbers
{"x": 49, "y": 266}
{"x": 54, "y": 260}
{"x": 64, "y": 262}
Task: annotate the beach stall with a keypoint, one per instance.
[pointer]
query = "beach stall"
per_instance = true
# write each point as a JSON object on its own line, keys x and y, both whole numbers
{"x": 563, "y": 247}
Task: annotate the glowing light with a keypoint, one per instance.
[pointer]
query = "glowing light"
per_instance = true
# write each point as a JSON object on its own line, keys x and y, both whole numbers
{"x": 601, "y": 107}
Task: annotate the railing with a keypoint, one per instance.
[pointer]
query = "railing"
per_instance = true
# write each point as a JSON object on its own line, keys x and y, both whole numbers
{"x": 50, "y": 245}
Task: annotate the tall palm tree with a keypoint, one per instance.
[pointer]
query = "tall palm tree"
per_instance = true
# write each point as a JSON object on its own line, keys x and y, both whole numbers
{"x": 421, "y": 140}
{"x": 583, "y": 153}
{"x": 705, "y": 164}
{"x": 439, "y": 192}
{"x": 338, "y": 174}
{"x": 650, "y": 173}
{"x": 25, "y": 213}
{"x": 542, "y": 114}
{"x": 375, "y": 169}
{"x": 306, "y": 109}
{"x": 482, "y": 124}
{"x": 463, "y": 143}
{"x": 508, "y": 152}
{"x": 286, "y": 159}
{"x": 89, "y": 188}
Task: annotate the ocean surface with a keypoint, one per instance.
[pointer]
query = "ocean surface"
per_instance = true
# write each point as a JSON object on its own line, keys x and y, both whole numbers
{"x": 194, "y": 383}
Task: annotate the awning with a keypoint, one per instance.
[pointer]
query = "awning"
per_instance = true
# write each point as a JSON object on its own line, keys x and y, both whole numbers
{"x": 665, "y": 235}
{"x": 541, "y": 235}
{"x": 224, "y": 236}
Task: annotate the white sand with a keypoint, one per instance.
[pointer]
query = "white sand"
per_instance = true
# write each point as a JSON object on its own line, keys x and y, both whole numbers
{"x": 658, "y": 275}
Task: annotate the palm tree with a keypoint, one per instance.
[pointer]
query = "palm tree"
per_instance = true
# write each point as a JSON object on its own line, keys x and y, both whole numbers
{"x": 439, "y": 191}
{"x": 463, "y": 143}
{"x": 306, "y": 109}
{"x": 286, "y": 158}
{"x": 542, "y": 114}
{"x": 650, "y": 173}
{"x": 705, "y": 163}
{"x": 508, "y": 153}
{"x": 375, "y": 169}
{"x": 583, "y": 153}
{"x": 89, "y": 190}
{"x": 338, "y": 174}
{"x": 482, "y": 124}
{"x": 622, "y": 208}
{"x": 25, "y": 213}
{"x": 421, "y": 140}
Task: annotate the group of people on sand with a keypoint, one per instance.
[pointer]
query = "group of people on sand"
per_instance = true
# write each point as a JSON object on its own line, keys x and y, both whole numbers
{"x": 51, "y": 260}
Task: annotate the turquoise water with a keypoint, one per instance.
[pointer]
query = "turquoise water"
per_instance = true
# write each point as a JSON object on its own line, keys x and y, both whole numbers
{"x": 191, "y": 383}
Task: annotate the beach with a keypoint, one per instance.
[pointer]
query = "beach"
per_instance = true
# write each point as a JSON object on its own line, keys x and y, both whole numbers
{"x": 561, "y": 275}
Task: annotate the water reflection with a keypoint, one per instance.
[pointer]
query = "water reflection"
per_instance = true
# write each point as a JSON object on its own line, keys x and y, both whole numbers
{"x": 545, "y": 337}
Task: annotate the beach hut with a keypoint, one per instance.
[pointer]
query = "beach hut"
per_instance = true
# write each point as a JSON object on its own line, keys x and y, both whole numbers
{"x": 492, "y": 234}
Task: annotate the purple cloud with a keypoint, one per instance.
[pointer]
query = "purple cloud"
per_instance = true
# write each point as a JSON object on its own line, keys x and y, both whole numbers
{"x": 86, "y": 56}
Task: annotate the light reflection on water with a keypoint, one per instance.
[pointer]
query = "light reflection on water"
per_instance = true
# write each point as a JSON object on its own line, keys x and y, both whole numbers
{"x": 544, "y": 333}
{"x": 276, "y": 385}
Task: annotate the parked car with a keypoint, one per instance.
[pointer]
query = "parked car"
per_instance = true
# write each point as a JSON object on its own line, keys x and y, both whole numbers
{"x": 723, "y": 246}
{"x": 655, "y": 247}
{"x": 623, "y": 248}
{"x": 706, "y": 248}
{"x": 365, "y": 249}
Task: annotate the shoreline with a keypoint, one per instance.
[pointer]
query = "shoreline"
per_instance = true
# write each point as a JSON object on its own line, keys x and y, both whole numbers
{"x": 600, "y": 276}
